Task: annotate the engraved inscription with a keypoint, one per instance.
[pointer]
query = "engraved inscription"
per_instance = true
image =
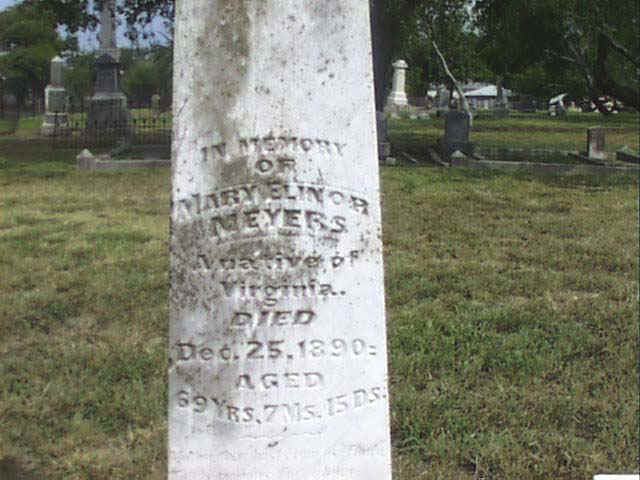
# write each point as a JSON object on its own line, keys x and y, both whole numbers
{"x": 282, "y": 413}
{"x": 276, "y": 349}
{"x": 272, "y": 318}
{"x": 271, "y": 293}
{"x": 278, "y": 262}
{"x": 272, "y": 145}
{"x": 271, "y": 192}
{"x": 308, "y": 380}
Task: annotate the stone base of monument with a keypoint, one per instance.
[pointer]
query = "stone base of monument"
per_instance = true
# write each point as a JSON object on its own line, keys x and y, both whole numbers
{"x": 108, "y": 114}
{"x": 397, "y": 99}
{"x": 434, "y": 157}
{"x": 448, "y": 147}
{"x": 85, "y": 160}
{"x": 584, "y": 157}
{"x": 54, "y": 124}
{"x": 625, "y": 154}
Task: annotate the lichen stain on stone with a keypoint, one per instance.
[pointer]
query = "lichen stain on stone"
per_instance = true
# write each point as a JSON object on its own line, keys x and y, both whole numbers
{"x": 224, "y": 50}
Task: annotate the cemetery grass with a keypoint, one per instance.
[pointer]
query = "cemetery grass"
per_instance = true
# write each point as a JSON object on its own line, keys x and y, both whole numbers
{"x": 511, "y": 307}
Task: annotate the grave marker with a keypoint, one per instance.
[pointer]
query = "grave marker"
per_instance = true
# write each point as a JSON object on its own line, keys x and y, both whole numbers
{"x": 107, "y": 113}
{"x": 398, "y": 96}
{"x": 55, "y": 120}
{"x": 456, "y": 134}
{"x": 595, "y": 143}
{"x": 277, "y": 333}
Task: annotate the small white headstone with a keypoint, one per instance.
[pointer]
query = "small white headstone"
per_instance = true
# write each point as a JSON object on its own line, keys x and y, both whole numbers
{"x": 85, "y": 159}
{"x": 398, "y": 96}
{"x": 277, "y": 332}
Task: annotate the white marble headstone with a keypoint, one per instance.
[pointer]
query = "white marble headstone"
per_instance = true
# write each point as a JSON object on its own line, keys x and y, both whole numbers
{"x": 278, "y": 365}
{"x": 398, "y": 96}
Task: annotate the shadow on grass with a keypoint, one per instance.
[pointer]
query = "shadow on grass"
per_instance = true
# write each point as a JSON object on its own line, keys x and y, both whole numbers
{"x": 13, "y": 469}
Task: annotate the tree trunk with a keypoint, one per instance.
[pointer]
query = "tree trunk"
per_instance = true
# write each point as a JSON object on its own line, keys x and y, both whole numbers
{"x": 601, "y": 107}
{"x": 463, "y": 100}
{"x": 381, "y": 50}
{"x": 606, "y": 84}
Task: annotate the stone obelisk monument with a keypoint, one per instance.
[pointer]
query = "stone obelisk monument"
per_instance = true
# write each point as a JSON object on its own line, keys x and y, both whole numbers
{"x": 108, "y": 106}
{"x": 277, "y": 354}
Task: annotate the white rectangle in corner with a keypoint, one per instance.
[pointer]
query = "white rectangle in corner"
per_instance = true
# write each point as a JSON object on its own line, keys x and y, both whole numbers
{"x": 617, "y": 477}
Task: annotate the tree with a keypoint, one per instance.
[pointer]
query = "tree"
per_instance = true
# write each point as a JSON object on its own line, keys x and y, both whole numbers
{"x": 30, "y": 41}
{"x": 594, "y": 40}
{"x": 79, "y": 14}
{"x": 147, "y": 71}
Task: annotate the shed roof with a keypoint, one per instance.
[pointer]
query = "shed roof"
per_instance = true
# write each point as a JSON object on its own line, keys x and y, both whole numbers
{"x": 488, "y": 91}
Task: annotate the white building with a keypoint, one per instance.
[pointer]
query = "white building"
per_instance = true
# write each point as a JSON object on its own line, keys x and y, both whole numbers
{"x": 485, "y": 98}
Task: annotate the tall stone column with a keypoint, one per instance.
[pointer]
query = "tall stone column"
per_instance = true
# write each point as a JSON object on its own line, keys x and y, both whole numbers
{"x": 398, "y": 96}
{"x": 107, "y": 34}
{"x": 277, "y": 331}
{"x": 55, "y": 95}
{"x": 107, "y": 111}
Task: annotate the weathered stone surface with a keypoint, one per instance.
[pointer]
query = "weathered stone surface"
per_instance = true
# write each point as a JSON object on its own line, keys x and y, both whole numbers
{"x": 57, "y": 72}
{"x": 85, "y": 160}
{"x": 55, "y": 99}
{"x": 595, "y": 143}
{"x": 108, "y": 114}
{"x": 456, "y": 134}
{"x": 55, "y": 120}
{"x": 277, "y": 333}
{"x": 108, "y": 106}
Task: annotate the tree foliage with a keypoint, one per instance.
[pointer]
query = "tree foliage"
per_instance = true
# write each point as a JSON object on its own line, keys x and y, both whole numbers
{"x": 29, "y": 41}
{"x": 590, "y": 46}
{"x": 148, "y": 72}
{"x": 83, "y": 14}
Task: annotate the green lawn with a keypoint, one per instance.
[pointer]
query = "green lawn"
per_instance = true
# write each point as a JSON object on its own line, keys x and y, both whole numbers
{"x": 511, "y": 304}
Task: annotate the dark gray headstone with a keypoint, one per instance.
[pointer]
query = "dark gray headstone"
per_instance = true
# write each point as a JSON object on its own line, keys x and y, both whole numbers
{"x": 456, "y": 134}
{"x": 456, "y": 127}
{"x": 106, "y": 74}
{"x": 108, "y": 106}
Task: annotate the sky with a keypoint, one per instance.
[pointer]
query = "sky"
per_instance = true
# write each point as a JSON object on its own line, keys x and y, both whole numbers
{"x": 88, "y": 40}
